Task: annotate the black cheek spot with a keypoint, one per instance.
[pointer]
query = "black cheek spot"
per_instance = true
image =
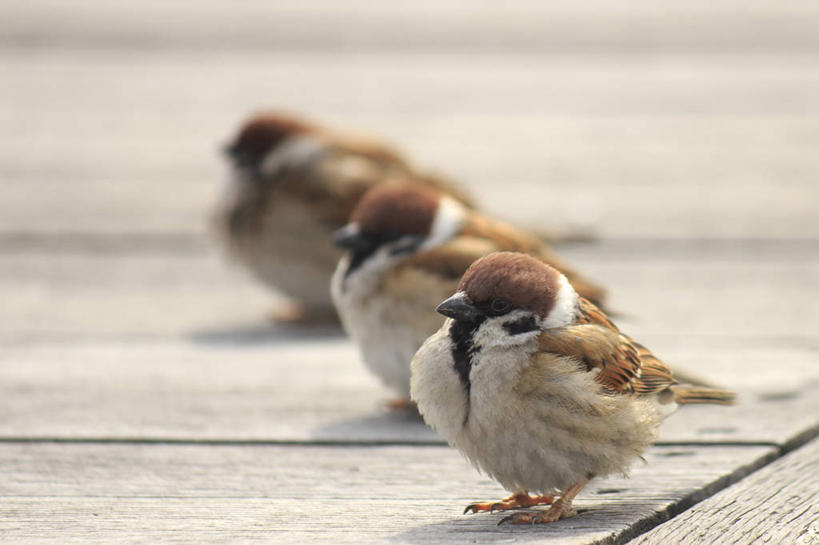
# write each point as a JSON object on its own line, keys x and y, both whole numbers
{"x": 521, "y": 325}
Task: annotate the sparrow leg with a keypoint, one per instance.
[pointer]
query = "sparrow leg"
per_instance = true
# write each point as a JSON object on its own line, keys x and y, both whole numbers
{"x": 560, "y": 509}
{"x": 515, "y": 501}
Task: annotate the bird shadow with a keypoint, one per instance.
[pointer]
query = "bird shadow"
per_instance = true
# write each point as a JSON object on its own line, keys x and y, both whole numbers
{"x": 483, "y": 528}
{"x": 594, "y": 523}
{"x": 386, "y": 426}
{"x": 260, "y": 333}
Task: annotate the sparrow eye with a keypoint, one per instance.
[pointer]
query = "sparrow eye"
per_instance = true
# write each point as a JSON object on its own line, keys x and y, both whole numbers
{"x": 499, "y": 305}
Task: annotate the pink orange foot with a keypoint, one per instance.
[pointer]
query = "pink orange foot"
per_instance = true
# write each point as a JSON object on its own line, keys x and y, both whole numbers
{"x": 515, "y": 501}
{"x": 402, "y": 405}
{"x": 560, "y": 509}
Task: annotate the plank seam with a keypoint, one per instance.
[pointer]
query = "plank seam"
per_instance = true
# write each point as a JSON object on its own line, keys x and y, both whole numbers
{"x": 706, "y": 492}
{"x": 320, "y": 443}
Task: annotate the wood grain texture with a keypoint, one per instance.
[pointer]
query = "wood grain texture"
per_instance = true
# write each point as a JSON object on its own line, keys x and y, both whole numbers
{"x": 777, "y": 504}
{"x": 620, "y": 146}
{"x": 523, "y": 28}
{"x": 69, "y": 290}
{"x": 189, "y": 494}
{"x": 311, "y": 390}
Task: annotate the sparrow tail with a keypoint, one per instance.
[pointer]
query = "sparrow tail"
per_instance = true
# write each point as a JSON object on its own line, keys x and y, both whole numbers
{"x": 687, "y": 394}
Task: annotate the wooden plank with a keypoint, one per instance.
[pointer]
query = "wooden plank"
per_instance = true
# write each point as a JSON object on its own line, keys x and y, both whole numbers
{"x": 65, "y": 291}
{"x": 624, "y": 146}
{"x": 194, "y": 494}
{"x": 467, "y": 26}
{"x": 777, "y": 504}
{"x": 176, "y": 347}
{"x": 221, "y": 87}
{"x": 286, "y": 389}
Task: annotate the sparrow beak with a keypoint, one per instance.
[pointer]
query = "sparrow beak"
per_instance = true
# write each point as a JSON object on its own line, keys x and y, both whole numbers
{"x": 230, "y": 149}
{"x": 351, "y": 238}
{"x": 239, "y": 158}
{"x": 459, "y": 307}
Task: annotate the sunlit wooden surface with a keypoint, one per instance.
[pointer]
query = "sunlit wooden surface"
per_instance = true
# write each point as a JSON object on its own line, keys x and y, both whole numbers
{"x": 146, "y": 397}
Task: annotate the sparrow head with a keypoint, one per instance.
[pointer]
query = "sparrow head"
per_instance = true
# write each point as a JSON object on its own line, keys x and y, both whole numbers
{"x": 400, "y": 219}
{"x": 260, "y": 136}
{"x": 521, "y": 292}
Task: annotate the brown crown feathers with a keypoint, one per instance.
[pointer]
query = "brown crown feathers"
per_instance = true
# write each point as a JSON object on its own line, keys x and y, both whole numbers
{"x": 409, "y": 209}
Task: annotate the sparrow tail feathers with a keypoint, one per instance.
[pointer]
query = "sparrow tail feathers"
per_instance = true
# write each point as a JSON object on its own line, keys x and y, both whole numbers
{"x": 687, "y": 394}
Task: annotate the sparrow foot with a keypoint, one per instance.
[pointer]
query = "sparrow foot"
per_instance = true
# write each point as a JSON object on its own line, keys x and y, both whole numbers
{"x": 401, "y": 404}
{"x": 515, "y": 501}
{"x": 561, "y": 509}
{"x": 558, "y": 510}
{"x": 299, "y": 315}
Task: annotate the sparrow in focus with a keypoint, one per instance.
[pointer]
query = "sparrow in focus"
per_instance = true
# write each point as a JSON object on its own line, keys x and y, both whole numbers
{"x": 407, "y": 247}
{"x": 292, "y": 184}
{"x": 538, "y": 388}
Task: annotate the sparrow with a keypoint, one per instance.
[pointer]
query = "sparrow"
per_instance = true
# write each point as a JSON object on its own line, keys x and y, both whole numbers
{"x": 292, "y": 183}
{"x": 538, "y": 388}
{"x": 406, "y": 249}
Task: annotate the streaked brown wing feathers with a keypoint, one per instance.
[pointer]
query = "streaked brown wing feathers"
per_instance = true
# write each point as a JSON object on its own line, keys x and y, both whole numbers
{"x": 625, "y": 366}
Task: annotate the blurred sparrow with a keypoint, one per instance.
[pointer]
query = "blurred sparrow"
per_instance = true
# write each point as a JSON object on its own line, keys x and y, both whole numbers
{"x": 292, "y": 185}
{"x": 407, "y": 249}
{"x": 538, "y": 388}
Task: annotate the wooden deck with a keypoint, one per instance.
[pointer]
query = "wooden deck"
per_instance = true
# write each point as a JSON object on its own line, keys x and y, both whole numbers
{"x": 145, "y": 397}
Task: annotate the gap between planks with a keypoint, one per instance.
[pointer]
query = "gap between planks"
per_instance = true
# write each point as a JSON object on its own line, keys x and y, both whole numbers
{"x": 599, "y": 517}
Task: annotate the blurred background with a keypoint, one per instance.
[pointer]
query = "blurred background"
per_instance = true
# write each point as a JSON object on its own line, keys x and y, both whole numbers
{"x": 683, "y": 136}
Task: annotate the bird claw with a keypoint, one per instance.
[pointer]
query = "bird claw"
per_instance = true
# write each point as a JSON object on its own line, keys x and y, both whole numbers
{"x": 516, "y": 501}
{"x": 553, "y": 514}
{"x": 520, "y": 518}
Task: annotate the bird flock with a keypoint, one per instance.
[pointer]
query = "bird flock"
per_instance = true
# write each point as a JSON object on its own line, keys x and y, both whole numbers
{"x": 502, "y": 347}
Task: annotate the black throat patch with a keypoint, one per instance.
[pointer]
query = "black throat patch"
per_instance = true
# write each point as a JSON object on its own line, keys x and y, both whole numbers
{"x": 357, "y": 259}
{"x": 463, "y": 348}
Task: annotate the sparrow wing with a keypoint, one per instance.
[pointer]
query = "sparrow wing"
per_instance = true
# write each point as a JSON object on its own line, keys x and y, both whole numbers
{"x": 624, "y": 365}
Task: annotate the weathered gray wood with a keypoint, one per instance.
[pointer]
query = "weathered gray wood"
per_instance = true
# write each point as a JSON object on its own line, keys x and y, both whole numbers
{"x": 569, "y": 93}
{"x": 623, "y": 146}
{"x": 65, "y": 291}
{"x": 193, "y": 494}
{"x": 188, "y": 353}
{"x": 428, "y": 26}
{"x": 777, "y": 504}
{"x": 263, "y": 389}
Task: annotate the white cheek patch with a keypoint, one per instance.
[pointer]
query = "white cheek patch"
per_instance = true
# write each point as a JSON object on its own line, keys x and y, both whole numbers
{"x": 448, "y": 220}
{"x": 564, "y": 311}
{"x": 296, "y": 150}
{"x": 492, "y": 333}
